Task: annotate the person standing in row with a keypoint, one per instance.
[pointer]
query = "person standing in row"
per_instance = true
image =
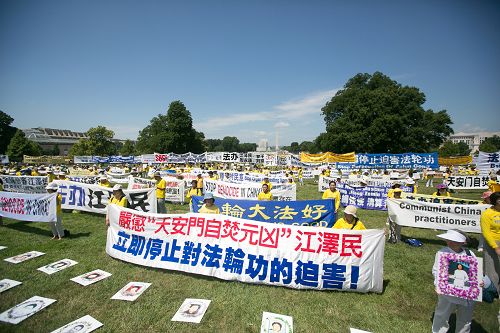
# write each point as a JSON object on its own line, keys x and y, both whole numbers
{"x": 194, "y": 190}
{"x": 265, "y": 194}
{"x": 161, "y": 185}
{"x": 332, "y": 193}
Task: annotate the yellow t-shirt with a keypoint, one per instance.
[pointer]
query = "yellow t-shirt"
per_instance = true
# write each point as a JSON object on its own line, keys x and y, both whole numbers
{"x": 191, "y": 192}
{"x": 269, "y": 185}
{"x": 160, "y": 188}
{"x": 343, "y": 224}
{"x": 199, "y": 183}
{"x": 105, "y": 184}
{"x": 122, "y": 202}
{"x": 59, "y": 204}
{"x": 328, "y": 194}
{"x": 492, "y": 184}
{"x": 209, "y": 210}
{"x": 265, "y": 196}
{"x": 490, "y": 226}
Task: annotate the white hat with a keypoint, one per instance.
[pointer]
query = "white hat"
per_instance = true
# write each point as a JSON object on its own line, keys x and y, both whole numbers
{"x": 410, "y": 181}
{"x": 103, "y": 177}
{"x": 453, "y": 236}
{"x": 351, "y": 210}
{"x": 51, "y": 186}
{"x": 117, "y": 187}
{"x": 62, "y": 173}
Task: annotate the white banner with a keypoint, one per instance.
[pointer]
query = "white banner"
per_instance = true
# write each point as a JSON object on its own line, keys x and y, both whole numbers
{"x": 28, "y": 207}
{"x": 134, "y": 183}
{"x": 488, "y": 161}
{"x": 175, "y": 190}
{"x": 242, "y": 177}
{"x": 418, "y": 214}
{"x": 94, "y": 198}
{"x": 4, "y": 159}
{"x": 248, "y": 191}
{"x": 25, "y": 184}
{"x": 468, "y": 182}
{"x": 229, "y": 248}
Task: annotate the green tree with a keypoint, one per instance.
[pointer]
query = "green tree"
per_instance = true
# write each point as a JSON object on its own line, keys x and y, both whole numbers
{"x": 19, "y": 146}
{"x": 230, "y": 143}
{"x": 246, "y": 147}
{"x": 294, "y": 147}
{"x": 128, "y": 148}
{"x": 172, "y": 132}
{"x": 212, "y": 144}
{"x": 375, "y": 114}
{"x": 55, "y": 150}
{"x": 490, "y": 145}
{"x": 309, "y": 147}
{"x": 99, "y": 143}
{"x": 6, "y": 131}
{"x": 453, "y": 149}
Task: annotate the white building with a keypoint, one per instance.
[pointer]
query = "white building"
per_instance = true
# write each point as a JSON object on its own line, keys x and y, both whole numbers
{"x": 263, "y": 145}
{"x": 473, "y": 140}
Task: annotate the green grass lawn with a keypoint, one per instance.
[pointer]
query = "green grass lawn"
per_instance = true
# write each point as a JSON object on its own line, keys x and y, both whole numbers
{"x": 406, "y": 305}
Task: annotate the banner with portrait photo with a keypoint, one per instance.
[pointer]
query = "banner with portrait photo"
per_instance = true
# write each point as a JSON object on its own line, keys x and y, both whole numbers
{"x": 460, "y": 276}
{"x": 28, "y": 207}
{"x": 95, "y": 198}
{"x": 230, "y": 248}
{"x": 418, "y": 214}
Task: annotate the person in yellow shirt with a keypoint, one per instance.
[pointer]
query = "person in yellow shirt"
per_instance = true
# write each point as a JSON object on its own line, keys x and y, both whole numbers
{"x": 268, "y": 183}
{"x": 490, "y": 229}
{"x": 209, "y": 206}
{"x": 492, "y": 183}
{"x": 212, "y": 175}
{"x": 194, "y": 190}
{"x": 161, "y": 184}
{"x": 34, "y": 172}
{"x": 441, "y": 191}
{"x": 51, "y": 175}
{"x": 332, "y": 193}
{"x": 103, "y": 181}
{"x": 118, "y": 197}
{"x": 265, "y": 194}
{"x": 62, "y": 176}
{"x": 56, "y": 227}
{"x": 350, "y": 221}
{"x": 199, "y": 182}
{"x": 300, "y": 176}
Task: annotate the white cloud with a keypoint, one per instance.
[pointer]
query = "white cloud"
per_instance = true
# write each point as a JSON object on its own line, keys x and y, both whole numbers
{"x": 281, "y": 124}
{"x": 470, "y": 128}
{"x": 310, "y": 104}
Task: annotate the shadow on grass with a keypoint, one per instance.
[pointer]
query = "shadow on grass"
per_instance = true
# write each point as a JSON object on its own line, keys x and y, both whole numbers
{"x": 475, "y": 326}
{"x": 25, "y": 227}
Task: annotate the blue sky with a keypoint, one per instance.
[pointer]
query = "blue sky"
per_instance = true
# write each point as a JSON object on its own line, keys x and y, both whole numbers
{"x": 242, "y": 68}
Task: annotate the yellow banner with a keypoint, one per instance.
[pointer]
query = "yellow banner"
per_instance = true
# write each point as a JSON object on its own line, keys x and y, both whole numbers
{"x": 455, "y": 160}
{"x": 46, "y": 159}
{"x": 327, "y": 157}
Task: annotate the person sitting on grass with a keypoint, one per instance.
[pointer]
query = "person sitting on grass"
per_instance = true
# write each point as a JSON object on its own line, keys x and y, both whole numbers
{"x": 350, "y": 221}
{"x": 441, "y": 191}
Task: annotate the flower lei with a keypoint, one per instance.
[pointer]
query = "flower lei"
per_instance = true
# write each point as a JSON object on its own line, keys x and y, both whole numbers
{"x": 472, "y": 292}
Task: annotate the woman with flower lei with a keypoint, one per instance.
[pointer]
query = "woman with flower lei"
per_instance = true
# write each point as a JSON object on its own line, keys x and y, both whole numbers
{"x": 446, "y": 305}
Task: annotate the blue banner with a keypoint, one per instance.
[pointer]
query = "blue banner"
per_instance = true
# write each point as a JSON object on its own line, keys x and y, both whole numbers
{"x": 316, "y": 213}
{"x": 398, "y": 161}
{"x": 366, "y": 197}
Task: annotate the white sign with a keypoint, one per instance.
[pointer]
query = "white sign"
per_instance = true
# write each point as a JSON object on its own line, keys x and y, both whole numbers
{"x": 23, "y": 257}
{"x": 468, "y": 182}
{"x": 418, "y": 214}
{"x": 192, "y": 310}
{"x": 488, "y": 161}
{"x": 248, "y": 191}
{"x": 57, "y": 266}
{"x": 25, "y": 309}
{"x": 6, "y": 284}
{"x": 84, "y": 325}
{"x": 25, "y": 184}
{"x": 28, "y": 207}
{"x": 273, "y": 322}
{"x": 91, "y": 277}
{"x": 131, "y": 291}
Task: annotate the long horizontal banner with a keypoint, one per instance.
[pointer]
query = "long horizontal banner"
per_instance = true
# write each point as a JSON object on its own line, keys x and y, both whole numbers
{"x": 250, "y": 191}
{"x": 440, "y": 199}
{"x": 28, "y": 207}
{"x": 314, "y": 213}
{"x": 242, "y": 177}
{"x": 418, "y": 214}
{"x": 46, "y": 159}
{"x": 327, "y": 157}
{"x": 25, "y": 184}
{"x": 85, "y": 179}
{"x": 105, "y": 159}
{"x": 230, "y": 248}
{"x": 95, "y": 198}
{"x": 455, "y": 160}
{"x": 488, "y": 161}
{"x": 468, "y": 182}
{"x": 398, "y": 161}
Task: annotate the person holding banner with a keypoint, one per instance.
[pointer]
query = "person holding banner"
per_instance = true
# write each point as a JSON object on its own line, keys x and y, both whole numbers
{"x": 394, "y": 228}
{"x": 446, "y": 305}
{"x": 209, "y": 206}
{"x": 268, "y": 183}
{"x": 118, "y": 197}
{"x": 199, "y": 182}
{"x": 350, "y": 221}
{"x": 194, "y": 190}
{"x": 332, "y": 193}
{"x": 265, "y": 194}
{"x": 62, "y": 176}
{"x": 56, "y": 227}
{"x": 492, "y": 184}
{"x": 441, "y": 191}
{"x": 161, "y": 185}
{"x": 103, "y": 181}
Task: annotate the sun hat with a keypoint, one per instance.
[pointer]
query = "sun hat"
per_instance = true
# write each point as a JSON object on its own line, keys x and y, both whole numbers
{"x": 117, "y": 187}
{"x": 441, "y": 186}
{"x": 51, "y": 186}
{"x": 351, "y": 210}
{"x": 453, "y": 236}
{"x": 208, "y": 196}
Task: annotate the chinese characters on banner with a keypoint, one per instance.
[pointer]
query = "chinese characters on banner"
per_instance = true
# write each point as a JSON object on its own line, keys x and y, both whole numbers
{"x": 94, "y": 198}
{"x": 468, "y": 182}
{"x": 398, "y": 161}
{"x": 25, "y": 184}
{"x": 418, "y": 214}
{"x": 28, "y": 207}
{"x": 248, "y": 191}
{"x": 318, "y": 213}
{"x": 488, "y": 161}
{"x": 230, "y": 248}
